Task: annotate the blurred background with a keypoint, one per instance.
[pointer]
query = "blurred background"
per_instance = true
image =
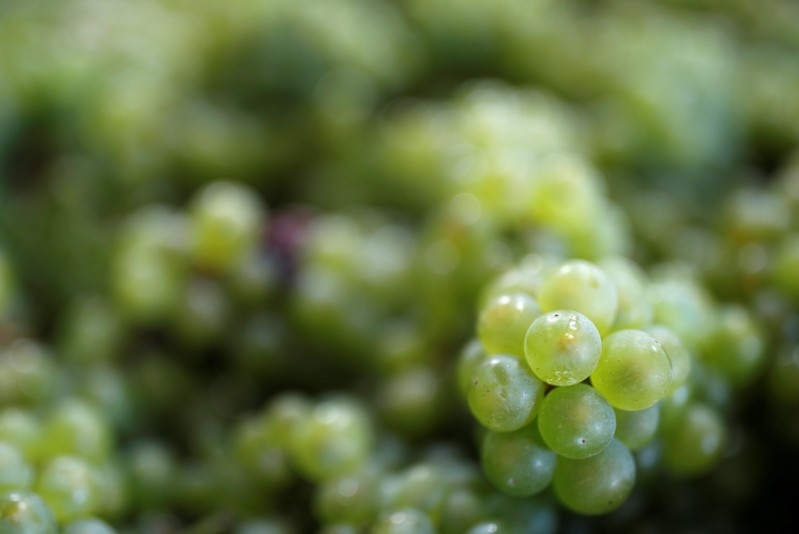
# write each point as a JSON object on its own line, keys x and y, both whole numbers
{"x": 216, "y": 218}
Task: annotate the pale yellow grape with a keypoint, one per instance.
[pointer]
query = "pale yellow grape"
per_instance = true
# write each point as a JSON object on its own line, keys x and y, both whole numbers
{"x": 634, "y": 371}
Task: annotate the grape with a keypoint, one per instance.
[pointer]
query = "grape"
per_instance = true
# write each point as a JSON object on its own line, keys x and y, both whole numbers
{"x": 22, "y": 430}
{"x": 226, "y": 221}
{"x": 468, "y": 359}
{"x": 151, "y": 472}
{"x": 351, "y": 499}
{"x": 525, "y": 279}
{"x": 406, "y": 521}
{"x": 335, "y": 440}
{"x": 489, "y": 527}
{"x": 694, "y": 443}
{"x": 635, "y": 311}
{"x": 562, "y": 347}
{"x": 504, "y": 321}
{"x": 76, "y": 428}
{"x": 598, "y": 484}
{"x": 15, "y": 472}
{"x": 637, "y": 429}
{"x": 734, "y": 346}
{"x": 582, "y": 287}
{"x": 504, "y": 395}
{"x": 463, "y": 507}
{"x": 518, "y": 463}
{"x": 69, "y": 486}
{"x": 24, "y": 512}
{"x": 678, "y": 355}
{"x": 576, "y": 422}
{"x": 88, "y": 526}
{"x": 634, "y": 371}
{"x": 27, "y": 372}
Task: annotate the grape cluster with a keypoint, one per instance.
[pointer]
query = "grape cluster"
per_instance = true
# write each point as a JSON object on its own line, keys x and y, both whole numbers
{"x": 383, "y": 267}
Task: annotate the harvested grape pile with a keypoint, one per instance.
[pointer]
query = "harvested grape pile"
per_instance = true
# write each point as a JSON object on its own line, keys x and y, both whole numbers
{"x": 398, "y": 267}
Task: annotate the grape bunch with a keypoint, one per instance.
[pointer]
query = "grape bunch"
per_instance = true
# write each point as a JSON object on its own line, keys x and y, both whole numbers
{"x": 571, "y": 372}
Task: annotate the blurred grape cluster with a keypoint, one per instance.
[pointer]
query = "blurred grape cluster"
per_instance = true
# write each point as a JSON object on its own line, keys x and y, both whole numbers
{"x": 398, "y": 266}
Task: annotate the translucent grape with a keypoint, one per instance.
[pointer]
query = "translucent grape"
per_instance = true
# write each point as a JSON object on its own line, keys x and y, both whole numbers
{"x": 518, "y": 463}
{"x": 24, "y": 512}
{"x": 69, "y": 486}
{"x": 335, "y": 440}
{"x": 88, "y": 526}
{"x": 598, "y": 484}
{"x": 636, "y": 429}
{"x": 678, "y": 355}
{"x": 562, "y": 347}
{"x": 352, "y": 499}
{"x": 15, "y": 472}
{"x": 504, "y": 394}
{"x": 583, "y": 287}
{"x": 76, "y": 428}
{"x": 468, "y": 359}
{"x": 694, "y": 443}
{"x": 576, "y": 422}
{"x": 406, "y": 521}
{"x": 735, "y": 346}
{"x": 634, "y": 371}
{"x": 635, "y": 310}
{"x": 504, "y": 321}
{"x": 227, "y": 221}
{"x": 21, "y": 429}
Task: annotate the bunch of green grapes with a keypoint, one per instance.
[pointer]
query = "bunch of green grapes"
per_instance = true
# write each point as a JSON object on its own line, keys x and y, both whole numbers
{"x": 578, "y": 366}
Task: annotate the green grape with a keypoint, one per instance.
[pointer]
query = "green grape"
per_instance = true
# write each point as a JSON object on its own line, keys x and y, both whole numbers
{"x": 88, "y": 526}
{"x": 27, "y": 373}
{"x": 469, "y": 358}
{"x": 22, "y": 430}
{"x": 526, "y": 278}
{"x": 288, "y": 412}
{"x": 335, "y": 440}
{"x": 257, "y": 449}
{"x": 78, "y": 429}
{"x": 673, "y": 406}
{"x": 504, "y": 321}
{"x": 92, "y": 332}
{"x": 582, "y": 287}
{"x": 562, "y": 347}
{"x": 635, "y": 310}
{"x": 463, "y": 507}
{"x": 596, "y": 485}
{"x": 694, "y": 443}
{"x": 410, "y": 400}
{"x": 227, "y": 220}
{"x": 504, "y": 394}
{"x": 634, "y": 371}
{"x": 576, "y": 422}
{"x": 15, "y": 472}
{"x": 69, "y": 486}
{"x": 735, "y": 346}
{"x": 636, "y": 429}
{"x": 421, "y": 487}
{"x": 351, "y": 499}
{"x": 406, "y": 521}
{"x": 488, "y": 527}
{"x": 147, "y": 284}
{"x": 678, "y": 355}
{"x": 24, "y": 512}
{"x": 526, "y": 514}
{"x": 517, "y": 463}
{"x": 682, "y": 306}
